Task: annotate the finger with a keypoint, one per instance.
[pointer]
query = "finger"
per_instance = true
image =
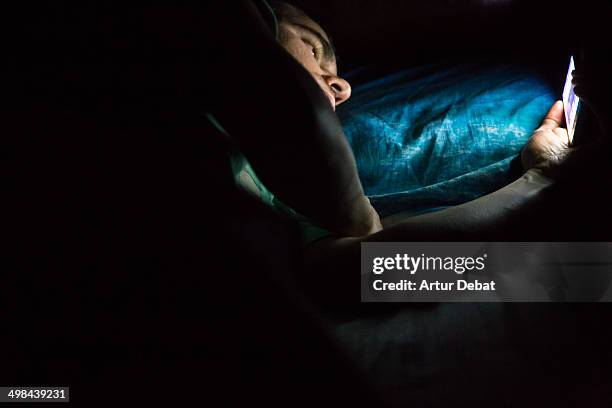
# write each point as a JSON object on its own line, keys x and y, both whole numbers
{"x": 553, "y": 118}
{"x": 586, "y": 93}
{"x": 580, "y": 90}
{"x": 563, "y": 136}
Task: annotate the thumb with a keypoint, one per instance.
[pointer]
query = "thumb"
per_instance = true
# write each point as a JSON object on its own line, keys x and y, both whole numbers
{"x": 553, "y": 118}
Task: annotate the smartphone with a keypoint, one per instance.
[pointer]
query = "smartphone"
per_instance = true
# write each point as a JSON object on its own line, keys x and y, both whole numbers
{"x": 571, "y": 102}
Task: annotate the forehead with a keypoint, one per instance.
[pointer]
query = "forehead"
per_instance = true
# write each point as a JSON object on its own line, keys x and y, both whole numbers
{"x": 299, "y": 18}
{"x": 300, "y": 22}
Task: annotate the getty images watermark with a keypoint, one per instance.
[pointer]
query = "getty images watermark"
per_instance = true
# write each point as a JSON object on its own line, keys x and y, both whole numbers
{"x": 486, "y": 271}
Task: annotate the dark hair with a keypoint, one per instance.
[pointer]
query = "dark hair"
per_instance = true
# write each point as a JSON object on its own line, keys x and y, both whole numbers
{"x": 284, "y": 10}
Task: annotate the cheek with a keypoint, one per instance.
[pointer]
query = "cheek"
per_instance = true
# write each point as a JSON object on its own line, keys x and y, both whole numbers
{"x": 302, "y": 53}
{"x": 319, "y": 80}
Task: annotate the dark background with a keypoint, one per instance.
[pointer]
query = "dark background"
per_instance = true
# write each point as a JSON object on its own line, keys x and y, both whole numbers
{"x": 123, "y": 279}
{"x": 418, "y": 31}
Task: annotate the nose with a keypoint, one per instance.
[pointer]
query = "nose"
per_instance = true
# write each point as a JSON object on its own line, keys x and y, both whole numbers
{"x": 339, "y": 87}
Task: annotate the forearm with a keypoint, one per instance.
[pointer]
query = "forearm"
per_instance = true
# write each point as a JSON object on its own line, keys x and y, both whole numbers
{"x": 530, "y": 209}
{"x": 483, "y": 217}
{"x": 337, "y": 259}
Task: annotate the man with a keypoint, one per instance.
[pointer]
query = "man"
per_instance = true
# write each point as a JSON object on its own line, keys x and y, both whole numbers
{"x": 331, "y": 247}
{"x": 277, "y": 116}
{"x": 106, "y": 202}
{"x": 544, "y": 156}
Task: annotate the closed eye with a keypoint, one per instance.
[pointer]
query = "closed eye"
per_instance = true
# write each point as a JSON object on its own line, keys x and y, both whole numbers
{"x": 319, "y": 42}
{"x": 317, "y": 50}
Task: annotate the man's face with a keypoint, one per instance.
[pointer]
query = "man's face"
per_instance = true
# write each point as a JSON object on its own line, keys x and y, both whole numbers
{"x": 306, "y": 41}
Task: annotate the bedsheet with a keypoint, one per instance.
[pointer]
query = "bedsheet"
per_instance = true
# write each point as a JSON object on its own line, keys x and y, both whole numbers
{"x": 430, "y": 137}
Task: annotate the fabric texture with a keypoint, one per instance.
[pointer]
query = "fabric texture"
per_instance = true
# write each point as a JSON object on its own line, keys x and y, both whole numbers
{"x": 246, "y": 179}
{"x": 428, "y": 138}
{"x": 431, "y": 137}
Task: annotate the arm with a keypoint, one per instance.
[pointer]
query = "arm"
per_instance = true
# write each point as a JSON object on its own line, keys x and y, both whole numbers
{"x": 332, "y": 264}
{"x": 473, "y": 219}
{"x": 481, "y": 219}
{"x": 506, "y": 214}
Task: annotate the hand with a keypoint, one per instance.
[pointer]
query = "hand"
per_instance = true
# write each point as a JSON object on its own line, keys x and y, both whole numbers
{"x": 548, "y": 151}
{"x": 548, "y": 147}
